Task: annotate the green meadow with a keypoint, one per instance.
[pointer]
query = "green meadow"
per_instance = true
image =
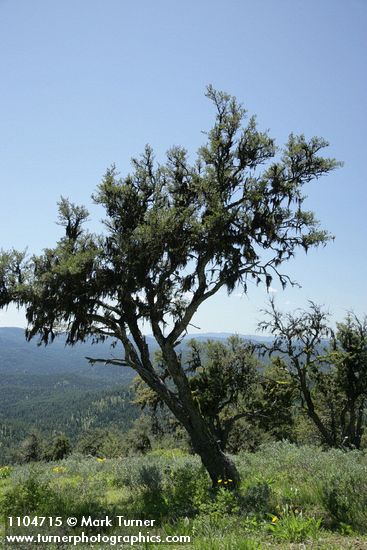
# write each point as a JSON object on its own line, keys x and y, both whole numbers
{"x": 290, "y": 497}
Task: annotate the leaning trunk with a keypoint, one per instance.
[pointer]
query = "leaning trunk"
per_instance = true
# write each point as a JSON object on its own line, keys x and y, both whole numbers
{"x": 220, "y": 467}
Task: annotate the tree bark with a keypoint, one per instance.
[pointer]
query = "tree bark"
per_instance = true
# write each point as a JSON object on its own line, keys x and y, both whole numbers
{"x": 310, "y": 409}
{"x": 204, "y": 441}
{"x": 221, "y": 468}
{"x": 218, "y": 465}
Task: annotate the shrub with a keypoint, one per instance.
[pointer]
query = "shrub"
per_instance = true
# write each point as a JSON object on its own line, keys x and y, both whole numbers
{"x": 160, "y": 491}
{"x": 5, "y": 472}
{"x": 345, "y": 498}
{"x": 63, "y": 498}
{"x": 218, "y": 514}
{"x": 295, "y": 527}
{"x": 222, "y": 502}
{"x": 185, "y": 489}
{"x": 258, "y": 499}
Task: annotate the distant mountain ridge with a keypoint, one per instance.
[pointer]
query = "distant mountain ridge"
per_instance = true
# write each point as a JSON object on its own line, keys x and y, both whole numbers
{"x": 22, "y": 357}
{"x": 17, "y": 356}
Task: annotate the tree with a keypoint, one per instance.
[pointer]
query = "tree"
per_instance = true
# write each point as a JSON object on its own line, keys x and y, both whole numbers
{"x": 30, "y": 449}
{"x": 224, "y": 383}
{"x": 276, "y": 401}
{"x": 138, "y": 438}
{"x": 347, "y": 382}
{"x": 101, "y": 443}
{"x": 58, "y": 448}
{"x": 328, "y": 369}
{"x": 175, "y": 234}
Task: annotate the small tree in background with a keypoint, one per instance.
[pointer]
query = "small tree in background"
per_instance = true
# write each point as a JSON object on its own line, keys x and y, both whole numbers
{"x": 277, "y": 402}
{"x": 31, "y": 448}
{"x": 138, "y": 439}
{"x": 345, "y": 390}
{"x": 328, "y": 369}
{"x": 58, "y": 448}
{"x": 175, "y": 235}
{"x": 101, "y": 443}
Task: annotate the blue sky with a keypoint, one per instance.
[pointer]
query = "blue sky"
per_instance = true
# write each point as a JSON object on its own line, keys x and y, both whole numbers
{"x": 88, "y": 83}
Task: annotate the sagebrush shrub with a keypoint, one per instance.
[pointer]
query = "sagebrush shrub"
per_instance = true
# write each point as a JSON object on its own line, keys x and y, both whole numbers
{"x": 345, "y": 498}
{"x": 257, "y": 499}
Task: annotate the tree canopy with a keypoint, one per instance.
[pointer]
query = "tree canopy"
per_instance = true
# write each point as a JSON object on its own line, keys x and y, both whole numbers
{"x": 328, "y": 368}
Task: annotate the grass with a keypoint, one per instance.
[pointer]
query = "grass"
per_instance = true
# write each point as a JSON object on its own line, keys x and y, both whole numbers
{"x": 290, "y": 497}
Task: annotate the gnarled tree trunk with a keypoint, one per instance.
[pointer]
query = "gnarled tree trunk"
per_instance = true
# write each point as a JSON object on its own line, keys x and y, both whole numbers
{"x": 204, "y": 441}
{"x": 216, "y": 462}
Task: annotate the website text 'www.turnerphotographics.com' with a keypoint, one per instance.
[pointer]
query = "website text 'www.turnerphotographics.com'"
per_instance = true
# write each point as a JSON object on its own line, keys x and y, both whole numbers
{"x": 24, "y": 530}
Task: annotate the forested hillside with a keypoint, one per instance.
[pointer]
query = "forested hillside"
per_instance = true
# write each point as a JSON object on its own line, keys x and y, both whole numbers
{"x": 54, "y": 389}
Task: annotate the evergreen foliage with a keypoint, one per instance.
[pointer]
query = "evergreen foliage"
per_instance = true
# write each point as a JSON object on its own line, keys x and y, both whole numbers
{"x": 328, "y": 370}
{"x": 175, "y": 234}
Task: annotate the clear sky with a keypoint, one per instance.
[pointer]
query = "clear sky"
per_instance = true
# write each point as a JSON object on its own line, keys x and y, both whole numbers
{"x": 87, "y": 83}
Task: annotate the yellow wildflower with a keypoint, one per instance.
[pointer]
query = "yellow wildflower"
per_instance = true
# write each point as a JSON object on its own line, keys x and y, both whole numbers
{"x": 274, "y": 519}
{"x": 58, "y": 469}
